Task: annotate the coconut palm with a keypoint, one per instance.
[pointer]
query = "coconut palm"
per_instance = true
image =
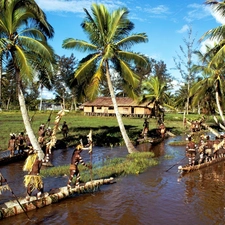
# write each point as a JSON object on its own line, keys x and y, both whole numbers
{"x": 213, "y": 79}
{"x": 109, "y": 41}
{"x": 218, "y": 33}
{"x": 24, "y": 32}
{"x": 155, "y": 91}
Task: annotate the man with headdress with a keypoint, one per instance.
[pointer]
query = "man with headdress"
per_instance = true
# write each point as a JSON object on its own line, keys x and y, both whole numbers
{"x": 208, "y": 149}
{"x": 21, "y": 142}
{"x": 191, "y": 151}
{"x": 33, "y": 180}
{"x": 75, "y": 160}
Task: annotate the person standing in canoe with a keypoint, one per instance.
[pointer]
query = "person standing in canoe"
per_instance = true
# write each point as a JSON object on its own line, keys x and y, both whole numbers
{"x": 12, "y": 144}
{"x": 75, "y": 160}
{"x": 145, "y": 128}
{"x": 65, "y": 129}
{"x": 33, "y": 180}
{"x": 191, "y": 151}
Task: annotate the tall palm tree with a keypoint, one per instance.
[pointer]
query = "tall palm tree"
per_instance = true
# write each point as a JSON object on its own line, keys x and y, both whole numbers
{"x": 25, "y": 30}
{"x": 109, "y": 41}
{"x": 213, "y": 78}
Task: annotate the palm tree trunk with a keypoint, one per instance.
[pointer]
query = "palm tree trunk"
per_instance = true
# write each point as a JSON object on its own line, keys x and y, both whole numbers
{"x": 128, "y": 143}
{"x": 219, "y": 107}
{"x": 27, "y": 123}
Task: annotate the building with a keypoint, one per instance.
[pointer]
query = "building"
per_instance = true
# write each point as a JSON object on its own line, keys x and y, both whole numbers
{"x": 103, "y": 106}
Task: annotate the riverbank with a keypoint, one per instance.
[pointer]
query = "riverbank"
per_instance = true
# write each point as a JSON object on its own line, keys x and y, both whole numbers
{"x": 105, "y": 129}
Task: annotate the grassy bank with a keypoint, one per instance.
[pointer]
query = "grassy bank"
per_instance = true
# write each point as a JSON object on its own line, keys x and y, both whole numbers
{"x": 105, "y": 129}
{"x": 132, "y": 164}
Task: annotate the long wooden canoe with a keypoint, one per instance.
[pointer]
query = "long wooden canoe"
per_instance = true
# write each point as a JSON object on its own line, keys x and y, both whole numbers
{"x": 12, "y": 159}
{"x": 13, "y": 208}
{"x": 188, "y": 168}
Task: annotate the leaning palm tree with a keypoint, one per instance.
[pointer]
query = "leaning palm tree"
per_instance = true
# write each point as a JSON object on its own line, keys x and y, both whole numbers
{"x": 24, "y": 32}
{"x": 109, "y": 44}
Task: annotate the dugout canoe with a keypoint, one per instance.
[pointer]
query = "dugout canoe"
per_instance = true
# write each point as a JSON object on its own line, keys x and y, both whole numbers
{"x": 13, "y": 208}
{"x": 188, "y": 168}
{"x": 16, "y": 158}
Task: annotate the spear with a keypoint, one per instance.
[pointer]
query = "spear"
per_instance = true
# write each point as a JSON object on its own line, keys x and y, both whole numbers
{"x": 3, "y": 180}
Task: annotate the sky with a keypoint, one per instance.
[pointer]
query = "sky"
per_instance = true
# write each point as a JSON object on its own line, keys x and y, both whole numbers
{"x": 164, "y": 21}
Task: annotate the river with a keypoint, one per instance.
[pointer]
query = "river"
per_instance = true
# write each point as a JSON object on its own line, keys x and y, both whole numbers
{"x": 159, "y": 196}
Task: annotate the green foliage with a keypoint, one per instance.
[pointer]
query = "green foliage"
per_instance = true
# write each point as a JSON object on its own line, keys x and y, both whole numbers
{"x": 135, "y": 163}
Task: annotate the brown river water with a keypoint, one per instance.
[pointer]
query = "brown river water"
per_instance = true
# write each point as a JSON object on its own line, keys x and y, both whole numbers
{"x": 155, "y": 197}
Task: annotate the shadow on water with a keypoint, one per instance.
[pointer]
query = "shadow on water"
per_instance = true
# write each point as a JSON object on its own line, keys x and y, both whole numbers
{"x": 153, "y": 197}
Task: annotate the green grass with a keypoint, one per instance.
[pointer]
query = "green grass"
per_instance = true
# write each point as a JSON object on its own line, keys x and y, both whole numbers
{"x": 105, "y": 129}
{"x": 132, "y": 164}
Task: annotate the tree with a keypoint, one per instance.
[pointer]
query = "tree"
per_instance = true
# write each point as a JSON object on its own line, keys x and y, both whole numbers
{"x": 213, "y": 79}
{"x": 109, "y": 41}
{"x": 155, "y": 91}
{"x": 63, "y": 78}
{"x": 25, "y": 30}
{"x": 184, "y": 64}
{"x": 217, "y": 34}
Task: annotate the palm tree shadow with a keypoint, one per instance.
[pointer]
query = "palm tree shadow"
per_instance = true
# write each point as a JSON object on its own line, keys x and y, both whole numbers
{"x": 103, "y": 135}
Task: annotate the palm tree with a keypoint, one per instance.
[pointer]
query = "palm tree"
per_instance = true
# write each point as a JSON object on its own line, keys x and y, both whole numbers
{"x": 213, "y": 73}
{"x": 217, "y": 33}
{"x": 155, "y": 91}
{"x": 24, "y": 32}
{"x": 109, "y": 41}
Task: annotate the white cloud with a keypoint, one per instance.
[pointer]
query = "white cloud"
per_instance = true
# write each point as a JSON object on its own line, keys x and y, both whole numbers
{"x": 73, "y": 6}
{"x": 207, "y": 42}
{"x": 183, "y": 29}
{"x": 196, "y": 12}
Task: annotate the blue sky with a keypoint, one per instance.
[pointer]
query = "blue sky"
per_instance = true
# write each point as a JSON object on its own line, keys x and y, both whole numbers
{"x": 164, "y": 21}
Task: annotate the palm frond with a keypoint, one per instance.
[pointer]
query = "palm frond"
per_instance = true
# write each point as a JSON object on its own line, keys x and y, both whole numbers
{"x": 129, "y": 41}
{"x": 71, "y": 43}
{"x": 128, "y": 75}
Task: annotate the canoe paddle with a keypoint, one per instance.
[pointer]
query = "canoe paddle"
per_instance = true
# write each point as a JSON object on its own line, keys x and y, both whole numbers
{"x": 176, "y": 164}
{"x": 18, "y": 201}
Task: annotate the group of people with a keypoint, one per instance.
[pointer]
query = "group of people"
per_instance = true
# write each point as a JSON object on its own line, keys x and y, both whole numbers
{"x": 18, "y": 143}
{"x": 33, "y": 165}
{"x": 161, "y": 131}
{"x": 206, "y": 150}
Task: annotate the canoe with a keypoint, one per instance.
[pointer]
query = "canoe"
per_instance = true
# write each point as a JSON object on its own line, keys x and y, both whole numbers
{"x": 13, "y": 208}
{"x": 13, "y": 159}
{"x": 188, "y": 168}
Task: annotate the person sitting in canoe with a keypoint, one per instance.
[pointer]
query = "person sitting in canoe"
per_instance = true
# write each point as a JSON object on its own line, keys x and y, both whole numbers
{"x": 75, "y": 160}
{"x": 191, "y": 151}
